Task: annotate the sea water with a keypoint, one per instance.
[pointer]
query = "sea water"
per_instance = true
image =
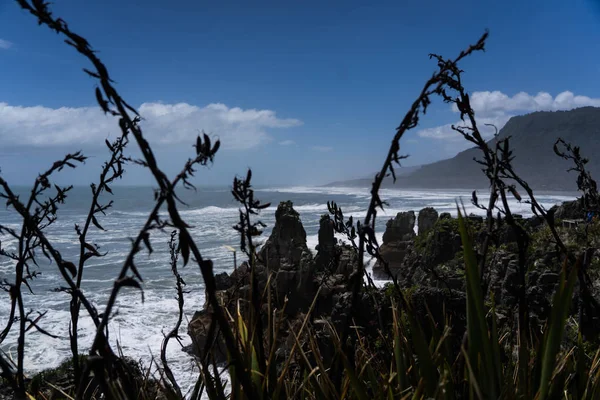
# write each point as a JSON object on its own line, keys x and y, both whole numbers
{"x": 138, "y": 327}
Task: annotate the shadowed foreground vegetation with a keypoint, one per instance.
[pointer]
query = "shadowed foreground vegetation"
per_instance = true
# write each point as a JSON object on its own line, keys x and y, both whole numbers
{"x": 379, "y": 346}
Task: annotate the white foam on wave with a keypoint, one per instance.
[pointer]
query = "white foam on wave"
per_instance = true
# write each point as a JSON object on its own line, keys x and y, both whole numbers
{"x": 427, "y": 197}
{"x": 364, "y": 192}
{"x": 210, "y": 210}
{"x": 142, "y": 336}
{"x": 129, "y": 213}
{"x": 302, "y": 208}
{"x": 357, "y": 192}
{"x": 369, "y": 269}
{"x": 137, "y": 328}
{"x": 311, "y": 242}
{"x": 64, "y": 239}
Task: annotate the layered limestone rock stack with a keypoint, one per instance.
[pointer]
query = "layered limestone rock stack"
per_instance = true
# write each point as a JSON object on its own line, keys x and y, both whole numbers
{"x": 295, "y": 274}
{"x": 426, "y": 220}
{"x": 397, "y": 238}
{"x": 287, "y": 256}
{"x": 332, "y": 257}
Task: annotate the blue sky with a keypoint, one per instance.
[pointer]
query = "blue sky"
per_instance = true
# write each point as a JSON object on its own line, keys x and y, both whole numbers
{"x": 302, "y": 92}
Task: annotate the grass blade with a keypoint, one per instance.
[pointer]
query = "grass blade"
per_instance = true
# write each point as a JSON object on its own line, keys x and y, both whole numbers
{"x": 556, "y": 327}
{"x": 479, "y": 346}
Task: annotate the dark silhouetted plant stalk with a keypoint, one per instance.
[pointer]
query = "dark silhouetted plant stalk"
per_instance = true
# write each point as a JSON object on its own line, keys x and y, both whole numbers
{"x": 399, "y": 361}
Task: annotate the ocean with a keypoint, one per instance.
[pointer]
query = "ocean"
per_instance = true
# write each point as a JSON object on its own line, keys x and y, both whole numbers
{"x": 212, "y": 212}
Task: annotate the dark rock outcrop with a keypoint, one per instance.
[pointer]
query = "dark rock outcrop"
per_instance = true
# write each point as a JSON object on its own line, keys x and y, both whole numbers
{"x": 443, "y": 242}
{"x": 502, "y": 277}
{"x": 400, "y": 228}
{"x": 326, "y": 249}
{"x": 223, "y": 281}
{"x": 198, "y": 329}
{"x": 534, "y": 223}
{"x": 295, "y": 275}
{"x": 286, "y": 254}
{"x": 286, "y": 247}
{"x": 429, "y": 266}
{"x": 346, "y": 260}
{"x": 406, "y": 257}
{"x": 397, "y": 238}
{"x": 426, "y": 220}
{"x": 333, "y": 257}
{"x": 569, "y": 210}
{"x": 394, "y": 254}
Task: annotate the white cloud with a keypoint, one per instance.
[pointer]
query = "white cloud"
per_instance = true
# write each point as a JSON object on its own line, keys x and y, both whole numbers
{"x": 322, "y": 149}
{"x": 162, "y": 124}
{"x": 438, "y": 132}
{"x": 445, "y": 132}
{"x": 490, "y": 104}
{"x": 287, "y": 143}
{"x": 497, "y": 108}
{"x": 5, "y": 44}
